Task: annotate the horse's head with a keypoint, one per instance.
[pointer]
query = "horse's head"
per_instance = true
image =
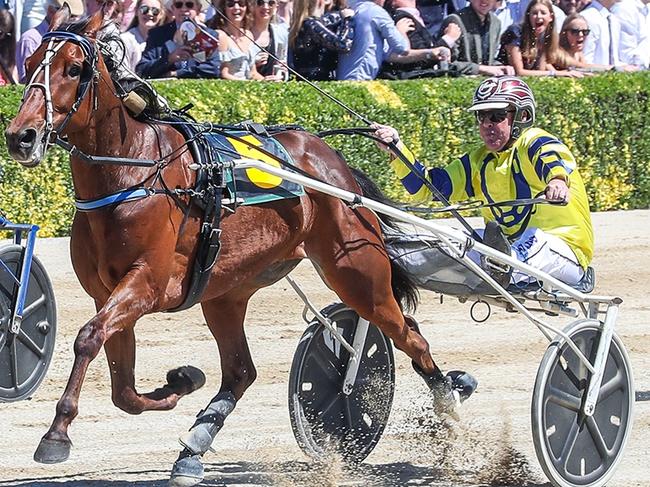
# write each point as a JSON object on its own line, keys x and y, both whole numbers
{"x": 61, "y": 73}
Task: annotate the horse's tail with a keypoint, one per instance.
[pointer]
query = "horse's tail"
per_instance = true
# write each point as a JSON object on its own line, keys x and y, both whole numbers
{"x": 404, "y": 288}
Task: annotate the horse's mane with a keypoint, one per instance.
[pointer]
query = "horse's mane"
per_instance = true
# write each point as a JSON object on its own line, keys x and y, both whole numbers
{"x": 113, "y": 51}
{"x": 77, "y": 26}
{"x": 111, "y": 46}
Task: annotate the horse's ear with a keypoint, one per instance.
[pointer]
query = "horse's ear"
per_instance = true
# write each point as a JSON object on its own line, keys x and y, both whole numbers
{"x": 94, "y": 24}
{"x": 60, "y": 17}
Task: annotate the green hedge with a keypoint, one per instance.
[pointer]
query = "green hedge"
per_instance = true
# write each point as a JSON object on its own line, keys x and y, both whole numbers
{"x": 603, "y": 119}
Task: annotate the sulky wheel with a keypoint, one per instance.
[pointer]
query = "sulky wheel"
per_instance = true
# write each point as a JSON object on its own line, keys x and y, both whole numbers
{"x": 572, "y": 448}
{"x": 323, "y": 418}
{"x": 24, "y": 358}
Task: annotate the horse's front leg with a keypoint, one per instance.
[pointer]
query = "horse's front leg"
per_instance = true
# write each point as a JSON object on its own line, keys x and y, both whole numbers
{"x": 132, "y": 298}
{"x": 225, "y": 318}
{"x": 120, "y": 353}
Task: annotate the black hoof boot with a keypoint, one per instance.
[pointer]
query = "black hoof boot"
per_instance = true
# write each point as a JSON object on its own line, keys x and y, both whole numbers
{"x": 187, "y": 470}
{"x": 494, "y": 237}
{"x": 449, "y": 391}
{"x": 185, "y": 379}
{"x": 463, "y": 383}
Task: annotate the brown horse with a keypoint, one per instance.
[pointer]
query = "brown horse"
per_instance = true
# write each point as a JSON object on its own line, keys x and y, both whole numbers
{"x": 134, "y": 258}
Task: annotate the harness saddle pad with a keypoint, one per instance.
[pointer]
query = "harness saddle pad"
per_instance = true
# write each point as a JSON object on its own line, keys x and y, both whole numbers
{"x": 252, "y": 186}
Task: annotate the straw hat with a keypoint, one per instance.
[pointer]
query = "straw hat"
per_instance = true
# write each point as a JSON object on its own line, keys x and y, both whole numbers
{"x": 77, "y": 7}
{"x": 204, "y": 3}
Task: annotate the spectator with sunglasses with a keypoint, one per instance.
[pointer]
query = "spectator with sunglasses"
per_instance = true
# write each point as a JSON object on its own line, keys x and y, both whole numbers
{"x": 270, "y": 34}
{"x": 515, "y": 161}
{"x": 236, "y": 49}
{"x": 166, "y": 54}
{"x": 532, "y": 48}
{"x": 149, "y": 14}
{"x": 573, "y": 35}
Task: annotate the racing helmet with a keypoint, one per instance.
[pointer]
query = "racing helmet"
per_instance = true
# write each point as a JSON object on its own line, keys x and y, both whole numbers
{"x": 501, "y": 92}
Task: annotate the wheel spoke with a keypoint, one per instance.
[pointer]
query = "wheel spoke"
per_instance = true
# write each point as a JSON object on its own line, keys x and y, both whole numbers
{"x": 330, "y": 372}
{"x": 569, "y": 443}
{"x": 564, "y": 399}
{"x": 575, "y": 379}
{"x": 38, "y": 303}
{"x": 347, "y": 412}
{"x": 13, "y": 363}
{"x": 581, "y": 343}
{"x": 8, "y": 294}
{"x": 26, "y": 340}
{"x": 598, "y": 439}
{"x": 329, "y": 404}
{"x": 612, "y": 385}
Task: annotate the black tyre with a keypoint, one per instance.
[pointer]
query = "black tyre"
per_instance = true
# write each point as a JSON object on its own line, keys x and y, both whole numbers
{"x": 573, "y": 449}
{"x": 25, "y": 358}
{"x": 323, "y": 418}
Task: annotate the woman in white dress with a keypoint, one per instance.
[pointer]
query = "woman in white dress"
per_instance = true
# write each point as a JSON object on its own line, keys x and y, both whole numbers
{"x": 236, "y": 50}
{"x": 148, "y": 14}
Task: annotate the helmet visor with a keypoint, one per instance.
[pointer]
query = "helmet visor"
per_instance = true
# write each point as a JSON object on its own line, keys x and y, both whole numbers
{"x": 488, "y": 105}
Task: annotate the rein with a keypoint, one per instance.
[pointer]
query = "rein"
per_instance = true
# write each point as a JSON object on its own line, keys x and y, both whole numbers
{"x": 90, "y": 77}
{"x": 362, "y": 131}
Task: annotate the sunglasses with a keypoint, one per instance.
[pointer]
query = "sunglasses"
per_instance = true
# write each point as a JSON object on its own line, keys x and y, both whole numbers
{"x": 494, "y": 116}
{"x": 188, "y": 5}
{"x": 269, "y": 3}
{"x": 145, "y": 9}
{"x": 232, "y": 3}
{"x": 575, "y": 32}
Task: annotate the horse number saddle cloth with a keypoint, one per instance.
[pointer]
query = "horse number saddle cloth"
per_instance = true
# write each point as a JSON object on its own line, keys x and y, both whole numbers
{"x": 251, "y": 186}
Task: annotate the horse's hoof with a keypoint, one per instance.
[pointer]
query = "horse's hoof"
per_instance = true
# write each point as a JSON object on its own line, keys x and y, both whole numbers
{"x": 52, "y": 451}
{"x": 187, "y": 471}
{"x": 185, "y": 379}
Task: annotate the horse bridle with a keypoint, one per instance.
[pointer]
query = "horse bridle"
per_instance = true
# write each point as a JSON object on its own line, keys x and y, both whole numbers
{"x": 89, "y": 77}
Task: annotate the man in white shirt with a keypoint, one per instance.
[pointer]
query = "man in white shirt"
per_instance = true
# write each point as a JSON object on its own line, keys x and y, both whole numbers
{"x": 602, "y": 44}
{"x": 634, "y": 17}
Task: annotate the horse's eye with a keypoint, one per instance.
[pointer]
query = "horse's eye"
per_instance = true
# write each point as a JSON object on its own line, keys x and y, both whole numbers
{"x": 74, "y": 71}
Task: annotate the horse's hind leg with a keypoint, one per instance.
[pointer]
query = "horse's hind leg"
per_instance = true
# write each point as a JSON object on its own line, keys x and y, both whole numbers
{"x": 225, "y": 317}
{"x": 357, "y": 267}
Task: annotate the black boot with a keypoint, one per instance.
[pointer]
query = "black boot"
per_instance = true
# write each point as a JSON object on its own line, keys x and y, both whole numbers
{"x": 449, "y": 390}
{"x": 494, "y": 237}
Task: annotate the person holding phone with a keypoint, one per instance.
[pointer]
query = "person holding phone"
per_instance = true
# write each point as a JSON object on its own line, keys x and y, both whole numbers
{"x": 167, "y": 55}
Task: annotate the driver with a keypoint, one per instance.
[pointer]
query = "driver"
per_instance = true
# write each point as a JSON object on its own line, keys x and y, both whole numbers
{"x": 515, "y": 161}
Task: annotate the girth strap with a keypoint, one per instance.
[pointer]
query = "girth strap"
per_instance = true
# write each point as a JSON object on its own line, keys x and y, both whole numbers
{"x": 112, "y": 199}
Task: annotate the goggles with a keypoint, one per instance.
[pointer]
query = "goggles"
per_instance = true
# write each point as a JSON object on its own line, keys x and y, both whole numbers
{"x": 494, "y": 116}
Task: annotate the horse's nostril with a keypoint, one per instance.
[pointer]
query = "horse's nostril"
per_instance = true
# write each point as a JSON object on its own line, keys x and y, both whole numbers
{"x": 27, "y": 138}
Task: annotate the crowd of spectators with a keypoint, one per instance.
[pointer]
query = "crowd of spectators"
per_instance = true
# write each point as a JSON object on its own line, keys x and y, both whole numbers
{"x": 362, "y": 40}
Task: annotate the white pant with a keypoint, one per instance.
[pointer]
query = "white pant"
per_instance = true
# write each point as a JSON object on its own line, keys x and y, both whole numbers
{"x": 545, "y": 252}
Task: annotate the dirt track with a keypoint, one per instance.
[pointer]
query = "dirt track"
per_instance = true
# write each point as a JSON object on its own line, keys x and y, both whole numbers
{"x": 256, "y": 447}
